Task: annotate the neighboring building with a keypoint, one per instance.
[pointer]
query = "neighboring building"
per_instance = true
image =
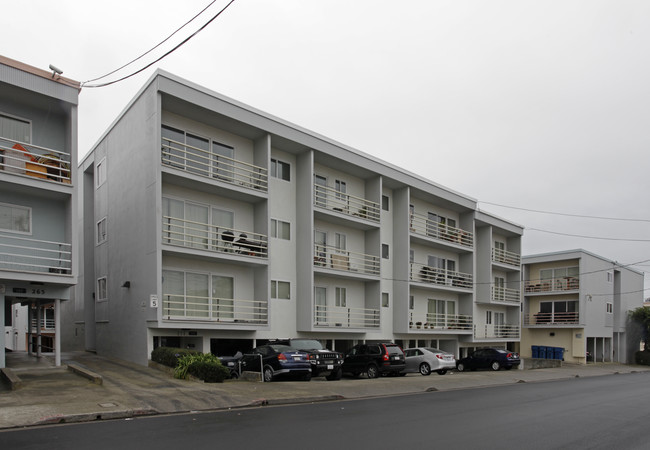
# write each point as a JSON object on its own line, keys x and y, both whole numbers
{"x": 579, "y": 301}
{"x": 210, "y": 225}
{"x": 38, "y": 204}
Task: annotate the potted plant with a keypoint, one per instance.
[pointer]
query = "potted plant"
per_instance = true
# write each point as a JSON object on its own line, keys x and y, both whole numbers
{"x": 418, "y": 325}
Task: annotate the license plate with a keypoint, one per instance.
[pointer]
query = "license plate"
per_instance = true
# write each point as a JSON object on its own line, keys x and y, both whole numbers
{"x": 330, "y": 366}
{"x": 397, "y": 358}
{"x": 296, "y": 358}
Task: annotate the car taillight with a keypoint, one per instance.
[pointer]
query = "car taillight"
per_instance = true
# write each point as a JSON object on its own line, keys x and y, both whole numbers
{"x": 439, "y": 356}
{"x": 386, "y": 357}
{"x": 281, "y": 357}
{"x": 509, "y": 355}
{"x": 312, "y": 356}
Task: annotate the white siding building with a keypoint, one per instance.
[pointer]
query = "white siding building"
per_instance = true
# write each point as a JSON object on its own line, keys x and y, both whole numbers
{"x": 210, "y": 225}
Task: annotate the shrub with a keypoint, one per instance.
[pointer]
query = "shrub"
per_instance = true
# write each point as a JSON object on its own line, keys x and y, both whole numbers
{"x": 204, "y": 366}
{"x": 642, "y": 357}
{"x": 169, "y": 356}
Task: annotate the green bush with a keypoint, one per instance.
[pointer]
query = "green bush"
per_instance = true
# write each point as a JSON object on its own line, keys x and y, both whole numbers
{"x": 642, "y": 357}
{"x": 204, "y": 366}
{"x": 169, "y": 356}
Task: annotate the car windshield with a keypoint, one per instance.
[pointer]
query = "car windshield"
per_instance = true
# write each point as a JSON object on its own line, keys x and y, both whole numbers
{"x": 306, "y": 344}
{"x": 393, "y": 349}
{"x": 281, "y": 348}
{"x": 434, "y": 350}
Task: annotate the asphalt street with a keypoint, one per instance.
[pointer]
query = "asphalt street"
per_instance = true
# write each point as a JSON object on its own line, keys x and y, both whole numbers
{"x": 596, "y": 412}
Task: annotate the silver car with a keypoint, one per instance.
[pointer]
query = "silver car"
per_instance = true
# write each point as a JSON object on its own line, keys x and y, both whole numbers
{"x": 427, "y": 359}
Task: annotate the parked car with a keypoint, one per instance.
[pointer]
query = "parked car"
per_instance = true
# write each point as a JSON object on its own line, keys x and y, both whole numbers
{"x": 324, "y": 363}
{"x": 232, "y": 363}
{"x": 374, "y": 360}
{"x": 427, "y": 359}
{"x": 277, "y": 360}
{"x": 492, "y": 358}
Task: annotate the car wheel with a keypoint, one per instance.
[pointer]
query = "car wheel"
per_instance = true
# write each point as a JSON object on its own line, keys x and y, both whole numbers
{"x": 425, "y": 369}
{"x": 335, "y": 375}
{"x": 461, "y": 367}
{"x": 372, "y": 371}
{"x": 441, "y": 371}
{"x": 268, "y": 373}
{"x": 495, "y": 365}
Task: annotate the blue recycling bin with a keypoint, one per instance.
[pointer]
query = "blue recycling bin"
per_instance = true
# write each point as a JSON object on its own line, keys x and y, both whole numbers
{"x": 550, "y": 352}
{"x": 535, "y": 349}
{"x": 542, "y": 352}
{"x": 559, "y": 353}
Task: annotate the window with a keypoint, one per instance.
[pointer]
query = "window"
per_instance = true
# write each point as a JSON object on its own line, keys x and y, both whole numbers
{"x": 385, "y": 299}
{"x": 102, "y": 294}
{"x": 610, "y": 277}
{"x": 280, "y": 169}
{"x": 610, "y": 308}
{"x": 384, "y": 202}
{"x": 385, "y": 250}
{"x": 280, "y": 229}
{"x": 280, "y": 289}
{"x": 223, "y": 305}
{"x": 341, "y": 297}
{"x": 15, "y": 129}
{"x": 411, "y": 255}
{"x": 100, "y": 172}
{"x": 341, "y": 188}
{"x": 488, "y": 317}
{"x": 223, "y": 163}
{"x": 411, "y": 302}
{"x": 16, "y": 219}
{"x": 101, "y": 231}
{"x": 499, "y": 245}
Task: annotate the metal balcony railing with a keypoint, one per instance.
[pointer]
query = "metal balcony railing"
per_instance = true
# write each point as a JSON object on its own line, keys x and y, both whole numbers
{"x": 35, "y": 161}
{"x": 423, "y": 226}
{"x": 202, "y": 236}
{"x": 212, "y": 165}
{"x": 334, "y": 258}
{"x": 228, "y": 311}
{"x": 46, "y": 324}
{"x": 329, "y": 198}
{"x": 502, "y": 294}
{"x": 506, "y": 257}
{"x": 345, "y": 317}
{"x": 20, "y": 254}
{"x": 433, "y": 321}
{"x": 553, "y": 284}
{"x": 558, "y": 318}
{"x": 496, "y": 331}
{"x": 441, "y": 277}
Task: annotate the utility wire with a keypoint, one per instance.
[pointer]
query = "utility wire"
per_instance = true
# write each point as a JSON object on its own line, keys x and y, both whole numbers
{"x": 153, "y": 48}
{"x": 166, "y": 54}
{"x": 566, "y": 214}
{"x": 588, "y": 237}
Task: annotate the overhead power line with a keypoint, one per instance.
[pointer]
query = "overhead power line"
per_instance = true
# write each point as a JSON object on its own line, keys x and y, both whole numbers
{"x": 589, "y": 237}
{"x": 566, "y": 214}
{"x": 166, "y": 54}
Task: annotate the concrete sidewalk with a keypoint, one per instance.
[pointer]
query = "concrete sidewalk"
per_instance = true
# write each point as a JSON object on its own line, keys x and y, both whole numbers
{"x": 57, "y": 395}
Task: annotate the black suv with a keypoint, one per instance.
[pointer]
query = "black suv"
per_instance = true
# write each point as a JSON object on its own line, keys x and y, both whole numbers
{"x": 323, "y": 362}
{"x": 374, "y": 360}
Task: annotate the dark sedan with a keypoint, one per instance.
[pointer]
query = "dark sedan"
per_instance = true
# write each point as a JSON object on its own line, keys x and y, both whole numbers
{"x": 275, "y": 360}
{"x": 489, "y": 358}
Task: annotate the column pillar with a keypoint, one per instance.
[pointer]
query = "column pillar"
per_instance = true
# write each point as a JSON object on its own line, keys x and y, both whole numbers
{"x": 38, "y": 330}
{"x": 57, "y": 332}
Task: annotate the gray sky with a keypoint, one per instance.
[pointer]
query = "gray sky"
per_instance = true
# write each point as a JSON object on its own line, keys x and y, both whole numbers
{"x": 535, "y": 104}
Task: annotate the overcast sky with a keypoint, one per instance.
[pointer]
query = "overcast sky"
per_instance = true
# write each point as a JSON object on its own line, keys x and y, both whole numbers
{"x": 543, "y": 105}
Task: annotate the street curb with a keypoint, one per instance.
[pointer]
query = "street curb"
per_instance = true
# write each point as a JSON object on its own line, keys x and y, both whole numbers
{"x": 94, "y": 416}
{"x": 295, "y": 401}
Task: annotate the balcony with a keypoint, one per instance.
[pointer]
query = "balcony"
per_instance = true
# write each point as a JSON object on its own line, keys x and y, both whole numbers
{"x": 441, "y": 322}
{"x": 34, "y": 161}
{"x": 505, "y": 257}
{"x": 218, "y": 310}
{"x": 344, "y": 317}
{"x": 496, "y": 331}
{"x": 557, "y": 318}
{"x": 346, "y": 261}
{"x": 213, "y": 166}
{"x": 506, "y": 295}
{"x": 422, "y": 226}
{"x": 20, "y": 254}
{"x": 202, "y": 236}
{"x": 328, "y": 198}
{"x": 441, "y": 277}
{"x": 553, "y": 284}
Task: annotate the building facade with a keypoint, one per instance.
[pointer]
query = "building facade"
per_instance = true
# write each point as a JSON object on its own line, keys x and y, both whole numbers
{"x": 38, "y": 205}
{"x": 210, "y": 225}
{"x": 579, "y": 301}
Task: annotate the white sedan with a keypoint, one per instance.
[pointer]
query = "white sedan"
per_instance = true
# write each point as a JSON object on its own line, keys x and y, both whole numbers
{"x": 427, "y": 359}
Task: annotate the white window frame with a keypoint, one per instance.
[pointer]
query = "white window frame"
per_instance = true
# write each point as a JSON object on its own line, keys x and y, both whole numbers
{"x": 100, "y": 172}
{"x": 18, "y": 119}
{"x": 609, "y": 307}
{"x": 275, "y": 284}
{"x": 275, "y": 164}
{"x": 275, "y": 229}
{"x": 102, "y": 288}
{"x": 610, "y": 277}
{"x": 102, "y": 234}
{"x": 385, "y": 251}
{"x": 24, "y": 208}
{"x": 385, "y": 203}
{"x": 340, "y": 294}
{"x": 385, "y": 299}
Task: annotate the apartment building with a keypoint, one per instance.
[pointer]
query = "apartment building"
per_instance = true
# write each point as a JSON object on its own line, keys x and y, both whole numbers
{"x": 38, "y": 205}
{"x": 211, "y": 225}
{"x": 579, "y": 301}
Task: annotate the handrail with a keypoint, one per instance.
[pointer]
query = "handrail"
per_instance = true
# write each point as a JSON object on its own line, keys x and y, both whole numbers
{"x": 492, "y": 331}
{"x": 423, "y": 226}
{"x": 203, "y": 236}
{"x": 503, "y": 294}
{"x": 212, "y": 165}
{"x": 342, "y": 202}
{"x": 236, "y": 311}
{"x": 34, "y": 255}
{"x": 506, "y": 257}
{"x": 346, "y": 317}
{"x": 22, "y": 158}
{"x": 441, "y": 277}
{"x": 436, "y": 321}
{"x": 558, "y": 318}
{"x": 345, "y": 260}
{"x": 552, "y": 284}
